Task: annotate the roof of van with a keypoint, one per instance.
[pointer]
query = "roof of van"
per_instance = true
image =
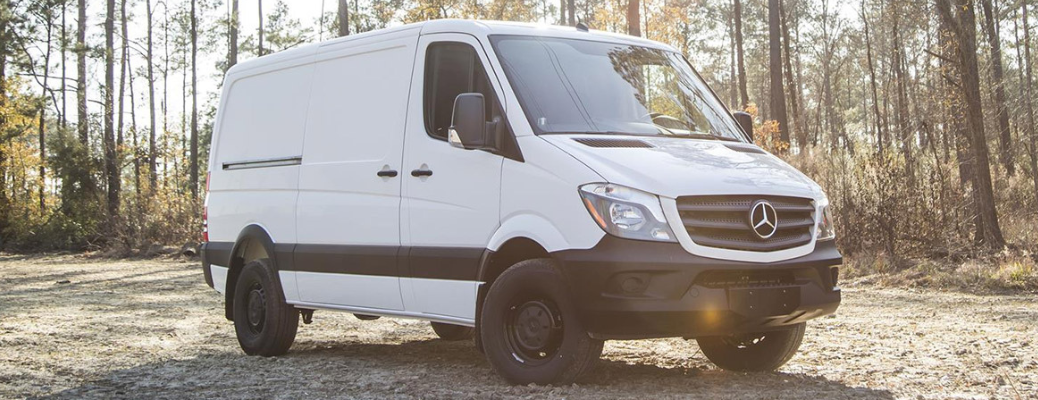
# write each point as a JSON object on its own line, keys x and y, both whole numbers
{"x": 473, "y": 27}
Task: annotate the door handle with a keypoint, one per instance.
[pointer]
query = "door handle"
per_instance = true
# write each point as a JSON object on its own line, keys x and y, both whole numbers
{"x": 421, "y": 172}
{"x": 387, "y": 173}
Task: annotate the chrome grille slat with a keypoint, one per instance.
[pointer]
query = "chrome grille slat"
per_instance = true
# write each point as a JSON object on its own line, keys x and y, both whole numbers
{"x": 723, "y": 222}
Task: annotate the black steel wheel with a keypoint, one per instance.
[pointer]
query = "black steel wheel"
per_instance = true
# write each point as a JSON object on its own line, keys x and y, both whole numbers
{"x": 264, "y": 323}
{"x": 758, "y": 351}
{"x": 529, "y": 327}
{"x": 534, "y": 330}
{"x": 257, "y": 308}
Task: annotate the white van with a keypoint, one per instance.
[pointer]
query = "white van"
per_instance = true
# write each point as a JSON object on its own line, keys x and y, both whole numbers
{"x": 539, "y": 188}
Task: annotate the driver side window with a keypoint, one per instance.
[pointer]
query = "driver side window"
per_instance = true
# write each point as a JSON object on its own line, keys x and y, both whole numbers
{"x": 451, "y": 69}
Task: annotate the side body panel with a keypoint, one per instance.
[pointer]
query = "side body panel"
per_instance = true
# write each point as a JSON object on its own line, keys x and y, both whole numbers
{"x": 257, "y": 144}
{"x": 540, "y": 201}
{"x": 448, "y": 217}
{"x": 348, "y": 215}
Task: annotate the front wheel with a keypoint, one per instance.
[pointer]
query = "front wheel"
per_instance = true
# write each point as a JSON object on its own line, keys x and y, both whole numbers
{"x": 763, "y": 351}
{"x": 265, "y": 324}
{"x": 529, "y": 327}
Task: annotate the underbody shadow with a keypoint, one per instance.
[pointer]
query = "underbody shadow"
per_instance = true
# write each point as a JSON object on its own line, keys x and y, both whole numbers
{"x": 430, "y": 368}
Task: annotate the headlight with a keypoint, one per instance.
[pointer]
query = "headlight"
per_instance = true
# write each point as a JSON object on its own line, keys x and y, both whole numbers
{"x": 626, "y": 212}
{"x": 825, "y": 229}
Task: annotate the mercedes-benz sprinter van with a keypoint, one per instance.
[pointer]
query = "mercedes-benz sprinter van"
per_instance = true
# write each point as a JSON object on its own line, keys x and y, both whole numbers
{"x": 541, "y": 189}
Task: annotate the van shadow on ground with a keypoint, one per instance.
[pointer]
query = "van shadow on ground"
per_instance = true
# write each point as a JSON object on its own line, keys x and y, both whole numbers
{"x": 430, "y": 369}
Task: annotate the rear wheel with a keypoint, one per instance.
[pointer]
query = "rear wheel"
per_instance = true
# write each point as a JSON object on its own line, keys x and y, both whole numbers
{"x": 452, "y": 332}
{"x": 264, "y": 323}
{"x": 529, "y": 327}
{"x": 763, "y": 351}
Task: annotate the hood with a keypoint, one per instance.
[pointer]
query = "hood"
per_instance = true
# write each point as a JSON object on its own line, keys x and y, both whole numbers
{"x": 673, "y": 167}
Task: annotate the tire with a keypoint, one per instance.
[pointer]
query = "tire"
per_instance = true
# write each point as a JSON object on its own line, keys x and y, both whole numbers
{"x": 264, "y": 323}
{"x": 754, "y": 352}
{"x": 529, "y": 327}
{"x": 452, "y": 332}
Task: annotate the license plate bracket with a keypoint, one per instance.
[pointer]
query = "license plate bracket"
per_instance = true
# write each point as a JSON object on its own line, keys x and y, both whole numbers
{"x": 764, "y": 302}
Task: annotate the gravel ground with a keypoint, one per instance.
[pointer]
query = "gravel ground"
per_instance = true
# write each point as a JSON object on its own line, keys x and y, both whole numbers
{"x": 75, "y": 327}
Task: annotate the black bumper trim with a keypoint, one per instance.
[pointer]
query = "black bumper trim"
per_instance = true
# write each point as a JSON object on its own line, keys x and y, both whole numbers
{"x": 448, "y": 263}
{"x": 627, "y": 289}
{"x": 218, "y": 253}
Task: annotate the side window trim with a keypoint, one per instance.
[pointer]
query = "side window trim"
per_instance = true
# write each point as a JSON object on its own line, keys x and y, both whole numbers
{"x": 510, "y": 147}
{"x": 428, "y": 62}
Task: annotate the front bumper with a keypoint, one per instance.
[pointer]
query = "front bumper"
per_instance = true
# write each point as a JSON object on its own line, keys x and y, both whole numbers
{"x": 628, "y": 289}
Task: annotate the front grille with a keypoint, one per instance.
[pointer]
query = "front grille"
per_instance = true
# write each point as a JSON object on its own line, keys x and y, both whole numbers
{"x": 724, "y": 222}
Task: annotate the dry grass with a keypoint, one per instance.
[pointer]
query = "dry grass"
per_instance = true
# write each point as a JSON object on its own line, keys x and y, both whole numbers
{"x": 1007, "y": 272}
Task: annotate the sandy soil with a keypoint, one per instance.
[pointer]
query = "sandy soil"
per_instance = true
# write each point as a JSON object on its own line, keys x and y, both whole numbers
{"x": 72, "y": 327}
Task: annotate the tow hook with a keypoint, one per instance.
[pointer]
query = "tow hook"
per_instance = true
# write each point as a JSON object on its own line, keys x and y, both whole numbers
{"x": 308, "y": 316}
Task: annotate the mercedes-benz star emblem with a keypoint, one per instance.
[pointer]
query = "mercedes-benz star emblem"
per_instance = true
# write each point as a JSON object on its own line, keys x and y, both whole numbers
{"x": 763, "y": 219}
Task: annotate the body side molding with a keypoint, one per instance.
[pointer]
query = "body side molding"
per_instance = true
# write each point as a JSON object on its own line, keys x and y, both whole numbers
{"x": 263, "y": 163}
{"x": 444, "y": 263}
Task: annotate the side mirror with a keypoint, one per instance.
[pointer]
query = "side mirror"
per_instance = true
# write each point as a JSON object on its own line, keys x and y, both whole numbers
{"x": 745, "y": 121}
{"x": 468, "y": 124}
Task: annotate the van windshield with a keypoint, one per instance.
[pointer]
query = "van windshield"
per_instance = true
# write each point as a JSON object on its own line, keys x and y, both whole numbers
{"x": 580, "y": 86}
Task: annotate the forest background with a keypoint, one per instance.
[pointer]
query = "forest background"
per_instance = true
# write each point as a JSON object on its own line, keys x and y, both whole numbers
{"x": 916, "y": 116}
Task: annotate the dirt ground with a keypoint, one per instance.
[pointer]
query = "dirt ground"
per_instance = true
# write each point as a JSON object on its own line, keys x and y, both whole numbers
{"x": 74, "y": 327}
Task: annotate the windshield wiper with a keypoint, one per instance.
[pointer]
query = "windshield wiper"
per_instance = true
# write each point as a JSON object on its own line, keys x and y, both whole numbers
{"x": 695, "y": 135}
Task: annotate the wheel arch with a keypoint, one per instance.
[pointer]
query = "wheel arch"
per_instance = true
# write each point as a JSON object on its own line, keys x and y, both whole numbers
{"x": 253, "y": 243}
{"x": 493, "y": 263}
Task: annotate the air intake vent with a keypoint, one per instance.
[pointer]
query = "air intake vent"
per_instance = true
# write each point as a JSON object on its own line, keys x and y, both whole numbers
{"x": 614, "y": 143}
{"x": 745, "y": 279}
{"x": 746, "y": 149}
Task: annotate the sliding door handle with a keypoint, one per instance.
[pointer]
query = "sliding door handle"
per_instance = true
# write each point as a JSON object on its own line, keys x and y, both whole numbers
{"x": 387, "y": 173}
{"x": 421, "y": 172}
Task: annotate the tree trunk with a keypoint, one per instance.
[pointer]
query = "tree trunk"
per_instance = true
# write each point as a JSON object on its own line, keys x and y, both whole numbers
{"x": 1028, "y": 94}
{"x": 194, "y": 103}
{"x": 42, "y": 126}
{"x": 63, "y": 121}
{"x": 827, "y": 96}
{"x": 122, "y": 74}
{"x": 344, "y": 18}
{"x": 794, "y": 95}
{"x": 152, "y": 149}
{"x": 133, "y": 132}
{"x": 964, "y": 25}
{"x": 165, "y": 96}
{"x": 5, "y": 202}
{"x": 739, "y": 54}
{"x": 260, "y": 50}
{"x": 1004, "y": 137}
{"x": 634, "y": 26}
{"x": 733, "y": 79}
{"x": 111, "y": 164}
{"x": 232, "y": 47}
{"x": 572, "y": 6}
{"x": 906, "y": 134}
{"x": 880, "y": 137}
{"x": 778, "y": 95}
{"x": 81, "y": 71}
{"x": 956, "y": 131}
